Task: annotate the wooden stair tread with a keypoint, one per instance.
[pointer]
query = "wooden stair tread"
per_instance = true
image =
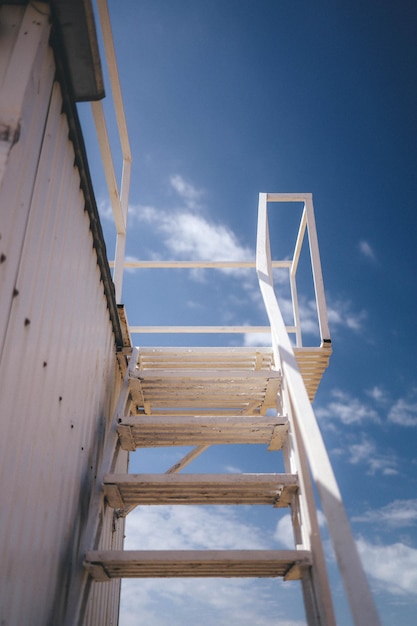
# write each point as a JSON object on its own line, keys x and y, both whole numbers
{"x": 137, "y": 432}
{"x": 123, "y": 490}
{"x": 254, "y": 359}
{"x": 176, "y": 389}
{"x": 312, "y": 363}
{"x": 104, "y": 565}
{"x": 218, "y": 380}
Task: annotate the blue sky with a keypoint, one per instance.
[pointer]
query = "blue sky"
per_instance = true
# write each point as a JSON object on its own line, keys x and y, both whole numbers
{"x": 225, "y": 99}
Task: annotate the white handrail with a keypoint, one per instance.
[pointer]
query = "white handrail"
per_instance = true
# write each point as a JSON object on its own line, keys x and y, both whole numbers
{"x": 356, "y": 584}
{"x": 119, "y": 200}
{"x": 204, "y": 329}
{"x": 198, "y": 264}
{"x": 307, "y": 225}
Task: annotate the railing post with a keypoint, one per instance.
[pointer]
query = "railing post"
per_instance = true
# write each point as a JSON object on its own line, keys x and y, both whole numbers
{"x": 350, "y": 566}
{"x": 317, "y": 273}
{"x": 119, "y": 202}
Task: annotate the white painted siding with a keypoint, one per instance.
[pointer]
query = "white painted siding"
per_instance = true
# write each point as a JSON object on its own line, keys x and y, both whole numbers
{"x": 58, "y": 373}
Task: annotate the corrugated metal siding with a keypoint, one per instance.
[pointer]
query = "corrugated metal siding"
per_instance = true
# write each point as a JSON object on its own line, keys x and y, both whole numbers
{"x": 104, "y": 597}
{"x": 58, "y": 373}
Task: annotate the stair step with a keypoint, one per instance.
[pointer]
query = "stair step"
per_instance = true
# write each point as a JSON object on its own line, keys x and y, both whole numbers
{"x": 311, "y": 361}
{"x": 254, "y": 359}
{"x": 122, "y": 490}
{"x": 215, "y": 380}
{"x": 148, "y": 432}
{"x": 207, "y": 389}
{"x": 289, "y": 564}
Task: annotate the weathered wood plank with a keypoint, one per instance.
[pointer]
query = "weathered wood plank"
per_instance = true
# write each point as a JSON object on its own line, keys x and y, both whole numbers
{"x": 197, "y": 564}
{"x": 193, "y": 431}
{"x": 158, "y": 489}
{"x": 212, "y": 373}
{"x": 312, "y": 361}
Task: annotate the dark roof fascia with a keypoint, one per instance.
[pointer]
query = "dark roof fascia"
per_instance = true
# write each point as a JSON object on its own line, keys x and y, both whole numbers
{"x": 81, "y": 161}
{"x": 74, "y": 24}
{"x": 74, "y": 20}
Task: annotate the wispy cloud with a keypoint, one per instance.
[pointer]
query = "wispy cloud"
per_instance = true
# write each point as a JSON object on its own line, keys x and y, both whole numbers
{"x": 187, "y": 527}
{"x": 396, "y": 514}
{"x": 342, "y": 315}
{"x": 236, "y": 602}
{"x": 400, "y": 577}
{"x": 257, "y": 339}
{"x": 190, "y": 195}
{"x": 404, "y": 410}
{"x": 365, "y": 452}
{"x": 182, "y": 602}
{"x": 194, "y": 237}
{"x": 284, "y": 534}
{"x": 366, "y": 250}
{"x": 378, "y": 394}
{"x": 347, "y": 409}
{"x": 232, "y": 469}
{"x": 105, "y": 210}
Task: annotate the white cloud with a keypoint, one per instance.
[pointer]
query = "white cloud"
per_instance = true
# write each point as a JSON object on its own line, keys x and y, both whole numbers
{"x": 242, "y": 602}
{"x": 257, "y": 339}
{"x": 104, "y": 209}
{"x": 191, "y": 236}
{"x": 232, "y": 469}
{"x": 209, "y": 601}
{"x": 404, "y": 411}
{"x": 308, "y": 317}
{"x": 284, "y": 534}
{"x": 396, "y": 514}
{"x": 188, "y": 193}
{"x": 187, "y": 527}
{"x": 394, "y": 566}
{"x": 366, "y": 250}
{"x": 378, "y": 394}
{"x": 365, "y": 452}
{"x": 340, "y": 314}
{"x": 347, "y": 409}
{"x": 308, "y": 320}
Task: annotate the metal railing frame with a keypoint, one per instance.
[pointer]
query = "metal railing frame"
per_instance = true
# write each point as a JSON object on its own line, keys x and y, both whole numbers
{"x": 301, "y": 415}
{"x": 119, "y": 200}
{"x": 304, "y": 422}
{"x": 307, "y": 226}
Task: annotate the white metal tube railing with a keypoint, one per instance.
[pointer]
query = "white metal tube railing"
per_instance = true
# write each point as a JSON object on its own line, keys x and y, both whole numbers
{"x": 293, "y": 274}
{"x": 205, "y": 329}
{"x": 242, "y": 329}
{"x": 307, "y": 225}
{"x": 106, "y": 155}
{"x": 308, "y": 220}
{"x": 317, "y": 273}
{"x": 356, "y": 584}
{"x": 198, "y": 264}
{"x": 119, "y": 200}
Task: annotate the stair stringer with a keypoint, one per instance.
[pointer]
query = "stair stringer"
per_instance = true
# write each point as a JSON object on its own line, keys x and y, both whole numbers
{"x": 78, "y": 594}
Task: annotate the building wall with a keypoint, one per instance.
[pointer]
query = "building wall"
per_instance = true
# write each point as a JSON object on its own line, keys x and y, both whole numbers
{"x": 59, "y": 377}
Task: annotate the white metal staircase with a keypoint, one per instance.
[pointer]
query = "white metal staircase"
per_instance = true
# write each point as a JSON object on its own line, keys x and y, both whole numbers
{"x": 206, "y": 396}
{"x": 201, "y": 397}
{"x": 209, "y": 396}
